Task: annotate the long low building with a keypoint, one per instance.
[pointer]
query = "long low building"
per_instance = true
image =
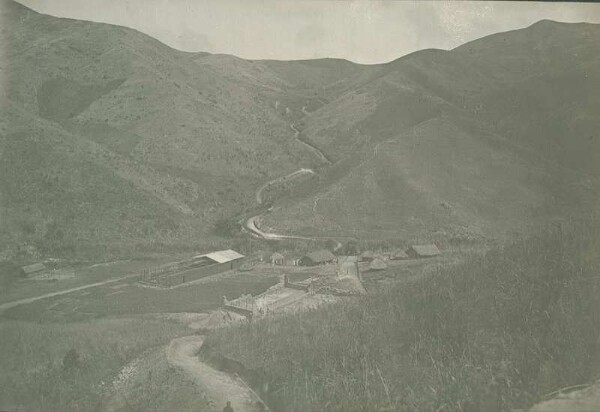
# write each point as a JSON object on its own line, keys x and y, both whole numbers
{"x": 198, "y": 267}
{"x": 229, "y": 258}
{"x": 423, "y": 251}
{"x": 31, "y": 270}
{"x": 318, "y": 257}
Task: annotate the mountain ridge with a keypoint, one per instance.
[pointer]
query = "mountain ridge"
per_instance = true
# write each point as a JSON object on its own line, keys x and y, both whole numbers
{"x": 198, "y": 133}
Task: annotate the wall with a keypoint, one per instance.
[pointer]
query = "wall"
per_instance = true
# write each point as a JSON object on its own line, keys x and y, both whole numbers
{"x": 192, "y": 274}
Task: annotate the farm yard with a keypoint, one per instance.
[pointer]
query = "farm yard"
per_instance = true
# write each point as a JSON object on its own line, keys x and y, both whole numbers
{"x": 130, "y": 298}
{"x": 189, "y": 334}
{"x": 490, "y": 331}
{"x": 16, "y": 287}
{"x": 133, "y": 322}
{"x": 117, "y": 332}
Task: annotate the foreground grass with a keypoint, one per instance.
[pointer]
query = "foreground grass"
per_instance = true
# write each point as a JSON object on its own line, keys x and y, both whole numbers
{"x": 34, "y": 378}
{"x": 494, "y": 333}
{"x": 155, "y": 385}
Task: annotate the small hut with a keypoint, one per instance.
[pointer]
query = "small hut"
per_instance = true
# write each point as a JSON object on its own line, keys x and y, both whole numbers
{"x": 34, "y": 269}
{"x": 377, "y": 264}
{"x": 318, "y": 257}
{"x": 277, "y": 259}
{"x": 367, "y": 256}
{"x": 423, "y": 251}
{"x": 398, "y": 255}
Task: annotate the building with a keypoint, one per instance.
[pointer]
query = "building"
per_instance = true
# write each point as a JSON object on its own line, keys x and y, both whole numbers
{"x": 277, "y": 259}
{"x": 34, "y": 269}
{"x": 377, "y": 264}
{"x": 318, "y": 257}
{"x": 367, "y": 256}
{"x": 398, "y": 255}
{"x": 225, "y": 259}
{"x": 423, "y": 251}
{"x": 198, "y": 267}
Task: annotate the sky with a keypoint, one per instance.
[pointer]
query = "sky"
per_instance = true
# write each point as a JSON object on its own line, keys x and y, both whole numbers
{"x": 358, "y": 30}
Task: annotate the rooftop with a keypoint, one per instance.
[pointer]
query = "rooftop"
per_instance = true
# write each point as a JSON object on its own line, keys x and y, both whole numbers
{"x": 36, "y": 267}
{"x": 222, "y": 256}
{"x": 426, "y": 250}
{"x": 321, "y": 256}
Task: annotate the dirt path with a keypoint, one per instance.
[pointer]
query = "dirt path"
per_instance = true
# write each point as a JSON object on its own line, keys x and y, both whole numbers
{"x": 219, "y": 386}
{"x": 586, "y": 399}
{"x": 281, "y": 179}
{"x": 315, "y": 149}
{"x": 252, "y": 226}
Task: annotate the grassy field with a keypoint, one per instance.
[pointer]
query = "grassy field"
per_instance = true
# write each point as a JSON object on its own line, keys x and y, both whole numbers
{"x": 121, "y": 361}
{"x": 129, "y": 298}
{"x": 15, "y": 287}
{"x": 33, "y": 357}
{"x": 493, "y": 333}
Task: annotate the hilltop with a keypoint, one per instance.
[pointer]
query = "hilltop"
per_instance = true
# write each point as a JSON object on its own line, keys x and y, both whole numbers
{"x": 114, "y": 143}
{"x": 492, "y": 137}
{"x": 111, "y": 137}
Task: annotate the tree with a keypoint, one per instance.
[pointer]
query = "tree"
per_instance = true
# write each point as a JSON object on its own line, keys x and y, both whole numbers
{"x": 331, "y": 244}
{"x": 352, "y": 248}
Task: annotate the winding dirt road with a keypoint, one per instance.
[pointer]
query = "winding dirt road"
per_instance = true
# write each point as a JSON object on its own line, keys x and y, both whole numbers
{"x": 219, "y": 387}
{"x": 281, "y": 179}
{"x": 252, "y": 226}
{"x": 315, "y": 149}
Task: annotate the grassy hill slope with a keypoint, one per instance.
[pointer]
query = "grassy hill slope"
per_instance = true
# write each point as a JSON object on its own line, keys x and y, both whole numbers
{"x": 493, "y": 333}
{"x": 111, "y": 137}
{"x": 472, "y": 142}
{"x": 156, "y": 144}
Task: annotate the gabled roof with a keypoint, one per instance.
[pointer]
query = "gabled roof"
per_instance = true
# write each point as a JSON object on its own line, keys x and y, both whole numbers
{"x": 321, "y": 256}
{"x": 377, "y": 264}
{"x": 425, "y": 250}
{"x": 398, "y": 254}
{"x": 36, "y": 267}
{"x": 277, "y": 255}
{"x": 222, "y": 256}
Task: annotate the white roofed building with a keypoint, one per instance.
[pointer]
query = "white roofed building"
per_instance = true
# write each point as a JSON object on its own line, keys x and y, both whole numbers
{"x": 222, "y": 256}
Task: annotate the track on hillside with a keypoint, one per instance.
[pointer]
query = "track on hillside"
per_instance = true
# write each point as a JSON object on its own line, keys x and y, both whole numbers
{"x": 219, "y": 387}
{"x": 307, "y": 143}
{"x": 281, "y": 179}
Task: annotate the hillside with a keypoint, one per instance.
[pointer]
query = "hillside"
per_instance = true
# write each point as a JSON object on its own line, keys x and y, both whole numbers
{"x": 119, "y": 139}
{"x": 483, "y": 140}
{"x": 494, "y": 333}
{"x": 114, "y": 143}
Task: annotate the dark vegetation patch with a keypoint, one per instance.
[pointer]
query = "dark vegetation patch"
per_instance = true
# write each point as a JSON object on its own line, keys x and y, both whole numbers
{"x": 117, "y": 140}
{"x": 61, "y": 99}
